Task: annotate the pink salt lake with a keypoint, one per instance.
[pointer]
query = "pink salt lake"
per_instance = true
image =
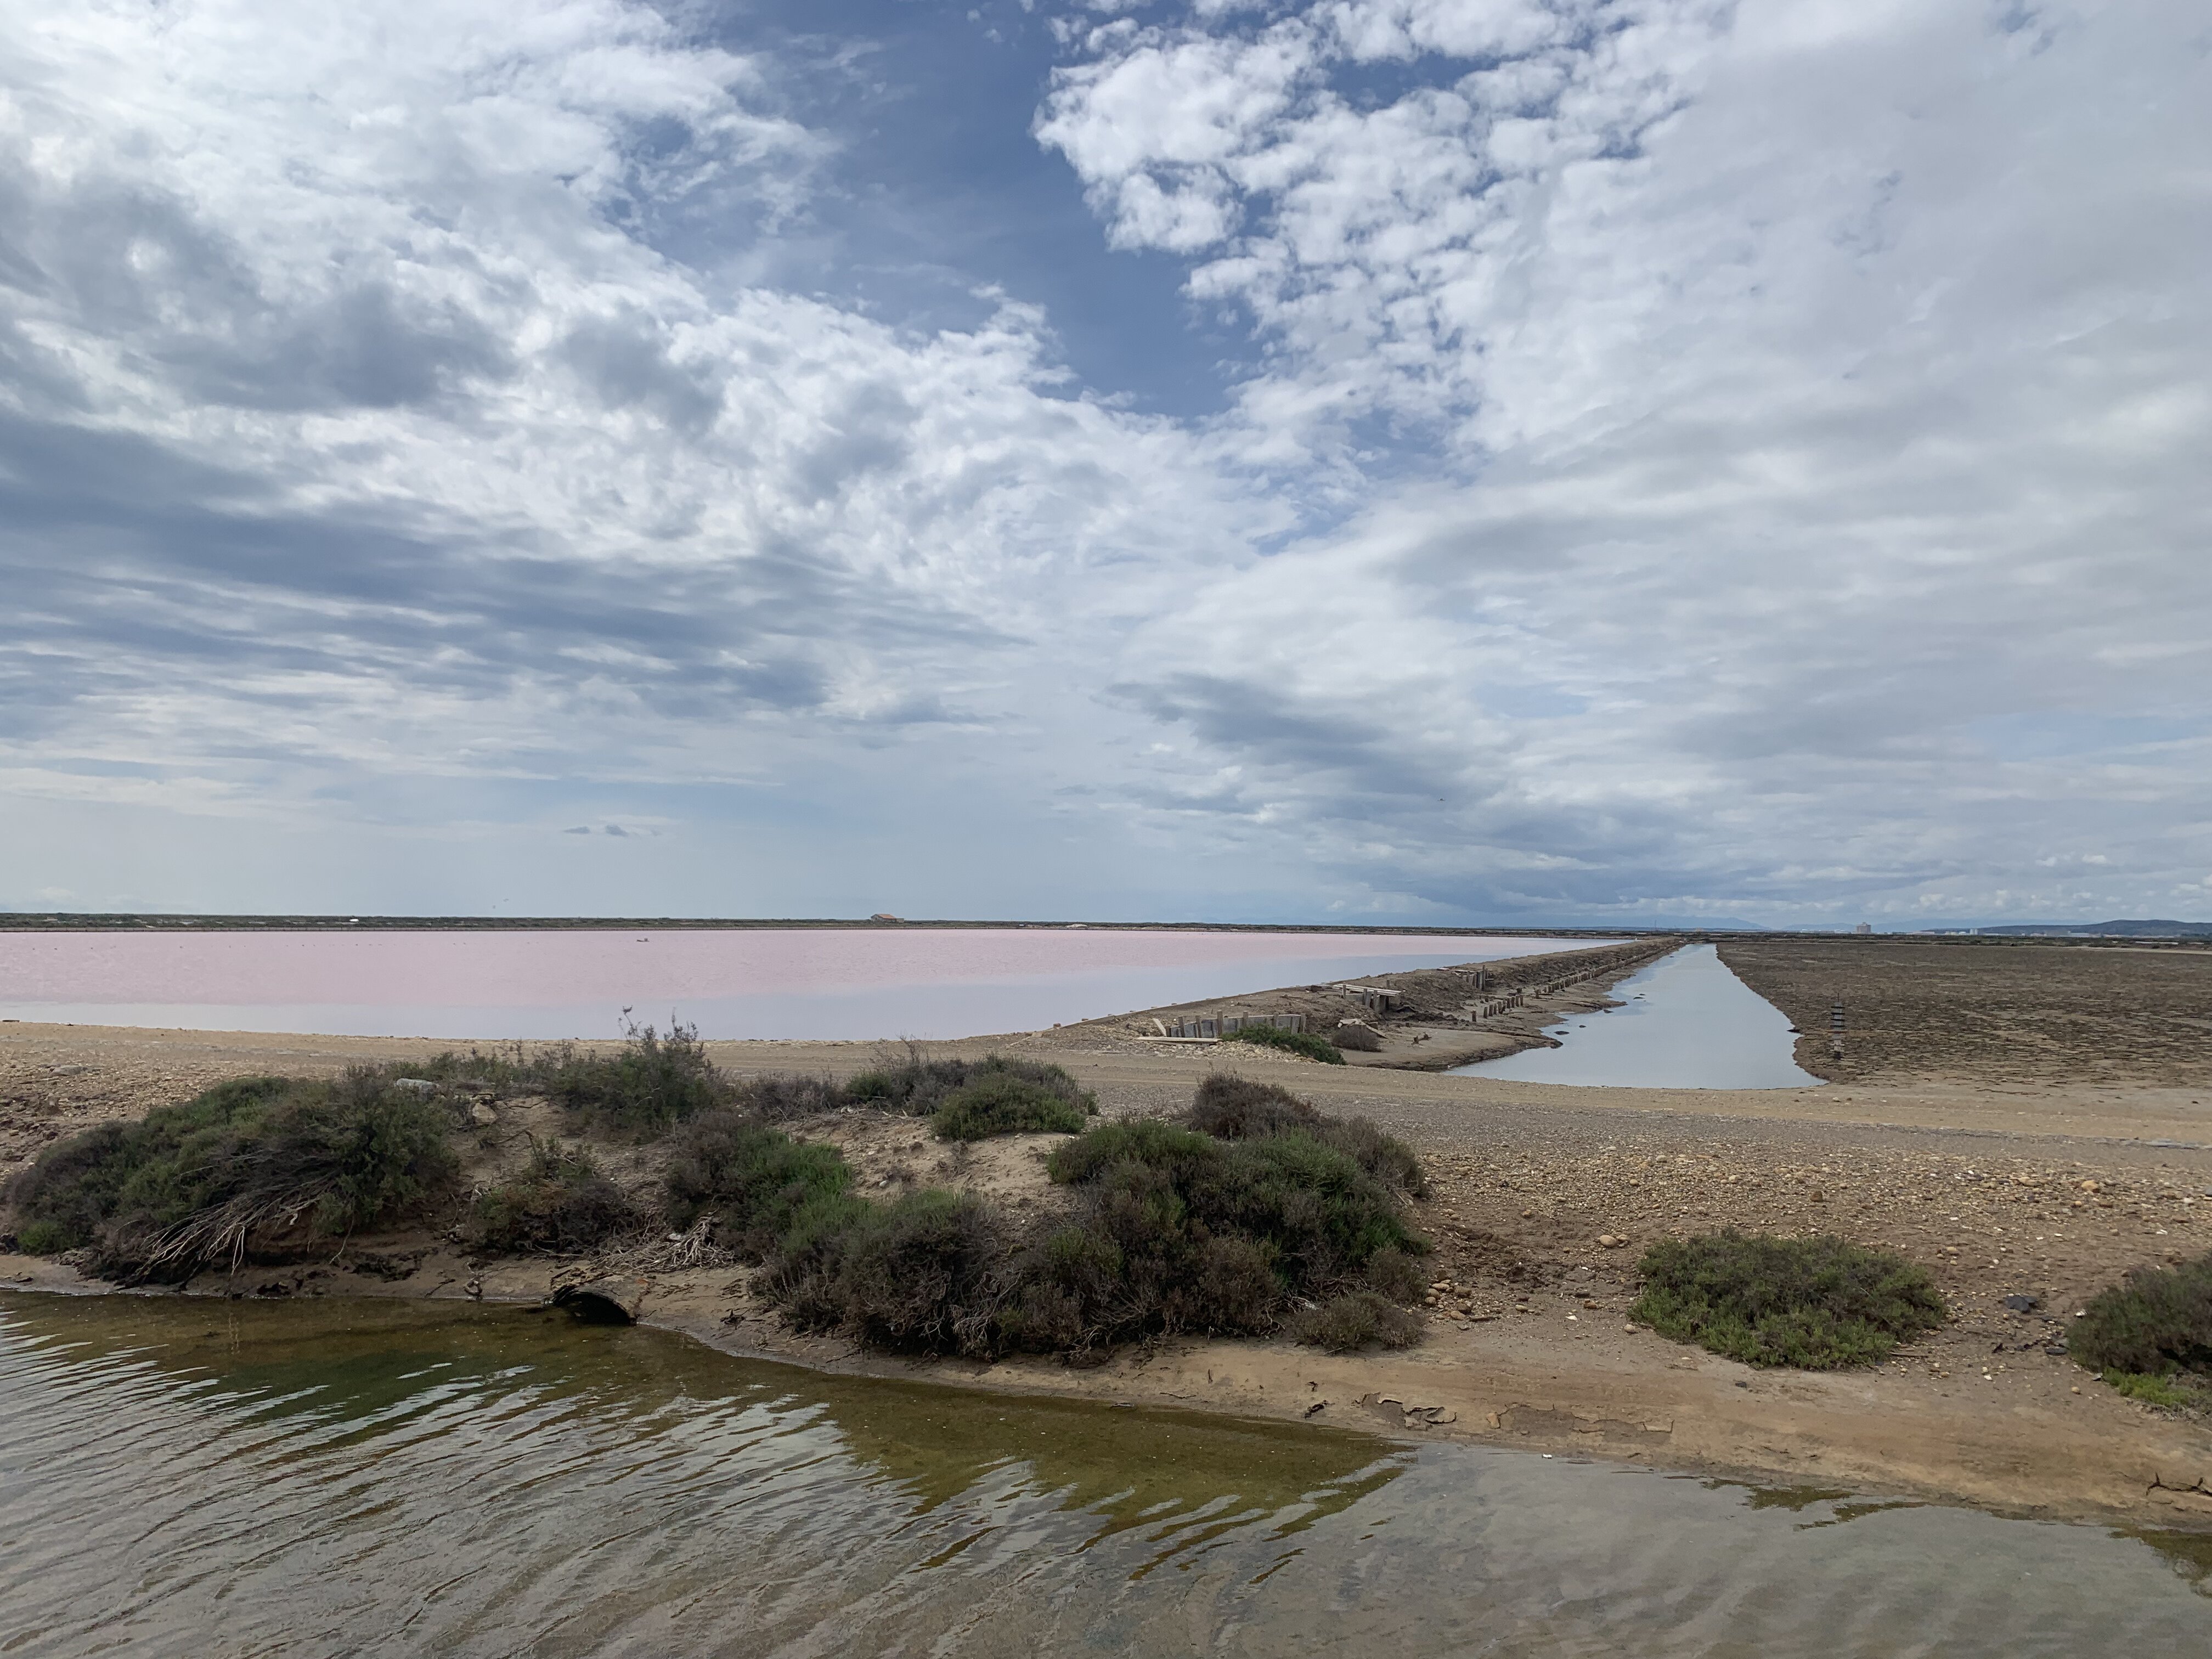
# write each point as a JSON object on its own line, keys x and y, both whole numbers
{"x": 733, "y": 982}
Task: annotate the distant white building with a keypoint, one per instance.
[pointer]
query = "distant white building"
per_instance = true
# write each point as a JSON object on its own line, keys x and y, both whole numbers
{"x": 1864, "y": 927}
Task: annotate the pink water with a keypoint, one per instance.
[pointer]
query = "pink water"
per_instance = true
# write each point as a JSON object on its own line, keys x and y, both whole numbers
{"x": 734, "y": 982}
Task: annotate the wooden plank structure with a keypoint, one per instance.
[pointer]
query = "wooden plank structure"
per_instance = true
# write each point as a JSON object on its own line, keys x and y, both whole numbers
{"x": 1220, "y": 1026}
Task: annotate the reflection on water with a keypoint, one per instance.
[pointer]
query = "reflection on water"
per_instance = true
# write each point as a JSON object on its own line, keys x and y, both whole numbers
{"x": 1686, "y": 1021}
{"x": 197, "y": 1477}
{"x": 730, "y": 983}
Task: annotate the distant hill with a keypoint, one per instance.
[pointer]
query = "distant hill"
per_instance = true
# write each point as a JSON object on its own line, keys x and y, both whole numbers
{"x": 2117, "y": 929}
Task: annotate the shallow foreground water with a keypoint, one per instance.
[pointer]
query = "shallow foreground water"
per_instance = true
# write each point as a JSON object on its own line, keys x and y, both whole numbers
{"x": 331, "y": 1478}
{"x": 1686, "y": 1021}
{"x": 821, "y": 982}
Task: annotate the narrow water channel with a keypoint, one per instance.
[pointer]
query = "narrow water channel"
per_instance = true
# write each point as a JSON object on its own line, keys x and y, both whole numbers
{"x": 1686, "y": 1021}
{"x": 208, "y": 1477}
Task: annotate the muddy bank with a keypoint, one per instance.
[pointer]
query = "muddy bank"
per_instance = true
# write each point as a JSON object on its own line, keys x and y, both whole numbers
{"x": 1518, "y": 1381}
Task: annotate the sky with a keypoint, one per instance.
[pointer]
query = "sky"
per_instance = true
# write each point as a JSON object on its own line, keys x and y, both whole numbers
{"x": 1407, "y": 462}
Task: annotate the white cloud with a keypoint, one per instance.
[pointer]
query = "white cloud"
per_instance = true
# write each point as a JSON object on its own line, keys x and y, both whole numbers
{"x": 452, "y": 471}
{"x": 1742, "y": 460}
{"x": 1811, "y": 385}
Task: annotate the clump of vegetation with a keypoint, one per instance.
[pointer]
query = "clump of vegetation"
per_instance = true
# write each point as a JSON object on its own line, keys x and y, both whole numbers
{"x": 2175, "y": 1390}
{"x": 923, "y": 1086}
{"x": 922, "y": 1273}
{"x": 472, "y": 1073}
{"x": 1185, "y": 1232}
{"x": 1174, "y": 1231}
{"x": 1293, "y": 1042}
{"x": 1000, "y": 1105}
{"x": 1232, "y": 1108}
{"x": 780, "y": 1097}
{"x": 1815, "y": 1303}
{"x": 195, "y": 1183}
{"x": 649, "y": 1086}
{"x": 560, "y": 1203}
{"x": 1356, "y": 1320}
{"x": 2151, "y": 1334}
{"x": 755, "y": 1181}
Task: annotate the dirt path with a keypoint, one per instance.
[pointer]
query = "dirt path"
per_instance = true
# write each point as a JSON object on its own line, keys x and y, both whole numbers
{"x": 2003, "y": 1189}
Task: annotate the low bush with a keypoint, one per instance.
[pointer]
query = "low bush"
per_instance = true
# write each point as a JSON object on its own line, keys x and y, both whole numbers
{"x": 193, "y": 1183}
{"x": 779, "y": 1097}
{"x": 1171, "y": 1231}
{"x": 510, "y": 1072}
{"x": 1003, "y": 1105}
{"x": 1292, "y": 1043}
{"x": 649, "y": 1086}
{"x": 917, "y": 1275}
{"x": 2174, "y": 1390}
{"x": 2154, "y": 1323}
{"x": 755, "y": 1180}
{"x": 1232, "y": 1108}
{"x": 921, "y": 1086}
{"x": 1815, "y": 1303}
{"x": 1183, "y": 1232}
{"x": 560, "y": 1204}
{"x": 1356, "y": 1320}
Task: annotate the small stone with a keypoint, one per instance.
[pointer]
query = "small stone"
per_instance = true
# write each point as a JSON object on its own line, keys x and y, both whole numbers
{"x": 482, "y": 1115}
{"x": 414, "y": 1085}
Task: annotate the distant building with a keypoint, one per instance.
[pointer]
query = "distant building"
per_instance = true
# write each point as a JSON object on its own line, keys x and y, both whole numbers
{"x": 885, "y": 916}
{"x": 1864, "y": 927}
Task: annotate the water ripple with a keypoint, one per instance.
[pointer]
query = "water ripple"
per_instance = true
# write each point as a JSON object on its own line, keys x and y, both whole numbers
{"x": 197, "y": 1477}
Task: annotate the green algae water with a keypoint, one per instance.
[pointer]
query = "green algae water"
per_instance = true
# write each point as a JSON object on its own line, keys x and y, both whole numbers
{"x": 355, "y": 1477}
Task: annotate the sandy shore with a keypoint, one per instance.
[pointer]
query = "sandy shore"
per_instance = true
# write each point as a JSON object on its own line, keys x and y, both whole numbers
{"x": 2002, "y": 1188}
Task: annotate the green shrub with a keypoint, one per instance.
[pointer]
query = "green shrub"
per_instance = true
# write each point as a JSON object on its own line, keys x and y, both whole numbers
{"x": 561, "y": 1203}
{"x": 502, "y": 1073}
{"x": 1232, "y": 1108}
{"x": 1181, "y": 1231}
{"x": 915, "y": 1275}
{"x": 2156, "y": 1322}
{"x": 191, "y": 1183}
{"x": 799, "y": 1270}
{"x": 1356, "y": 1320}
{"x": 46, "y": 1238}
{"x": 1295, "y": 1043}
{"x": 1395, "y": 1273}
{"x": 647, "y": 1086}
{"x": 755, "y": 1180}
{"x": 1003, "y": 1105}
{"x": 1816, "y": 1303}
{"x": 922, "y": 1086}
{"x": 2174, "y": 1390}
{"x": 778, "y": 1098}
{"x": 1383, "y": 1156}
{"x": 1140, "y": 1140}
